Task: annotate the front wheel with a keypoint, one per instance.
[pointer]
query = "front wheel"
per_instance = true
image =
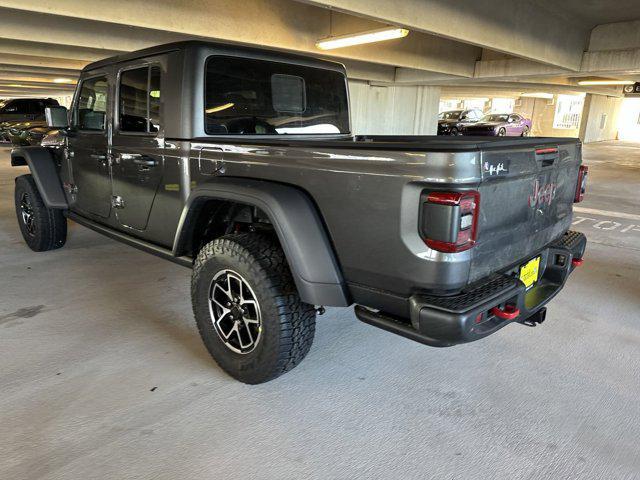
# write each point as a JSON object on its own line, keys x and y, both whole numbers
{"x": 502, "y": 132}
{"x": 42, "y": 228}
{"x": 247, "y": 308}
{"x": 525, "y": 132}
{"x": 454, "y": 131}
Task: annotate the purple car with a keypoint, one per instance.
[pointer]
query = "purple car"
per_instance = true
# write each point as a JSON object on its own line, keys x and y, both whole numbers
{"x": 499, "y": 124}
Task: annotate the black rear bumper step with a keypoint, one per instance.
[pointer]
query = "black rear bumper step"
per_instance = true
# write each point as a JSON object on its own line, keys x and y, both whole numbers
{"x": 474, "y": 314}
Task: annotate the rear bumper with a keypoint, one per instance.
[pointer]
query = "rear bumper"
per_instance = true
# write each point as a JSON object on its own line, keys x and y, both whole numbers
{"x": 471, "y": 315}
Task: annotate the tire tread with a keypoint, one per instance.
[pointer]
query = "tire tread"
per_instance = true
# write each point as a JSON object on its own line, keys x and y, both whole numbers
{"x": 296, "y": 318}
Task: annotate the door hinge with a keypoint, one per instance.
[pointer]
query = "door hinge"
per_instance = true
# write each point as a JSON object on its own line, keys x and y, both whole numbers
{"x": 117, "y": 201}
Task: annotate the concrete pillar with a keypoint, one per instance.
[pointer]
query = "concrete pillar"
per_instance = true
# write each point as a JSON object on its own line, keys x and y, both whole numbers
{"x": 599, "y": 118}
{"x": 393, "y": 110}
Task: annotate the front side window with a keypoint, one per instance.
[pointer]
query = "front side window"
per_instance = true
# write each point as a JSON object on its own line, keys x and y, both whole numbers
{"x": 20, "y": 107}
{"x": 495, "y": 118}
{"x": 453, "y": 115}
{"x": 139, "y": 100}
{"x": 91, "y": 108}
{"x": 246, "y": 96}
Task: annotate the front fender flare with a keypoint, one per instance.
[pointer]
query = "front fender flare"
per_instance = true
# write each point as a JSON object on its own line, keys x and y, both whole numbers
{"x": 300, "y": 229}
{"x": 45, "y": 174}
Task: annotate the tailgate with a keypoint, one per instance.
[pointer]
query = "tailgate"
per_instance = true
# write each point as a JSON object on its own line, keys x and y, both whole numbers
{"x": 526, "y": 200}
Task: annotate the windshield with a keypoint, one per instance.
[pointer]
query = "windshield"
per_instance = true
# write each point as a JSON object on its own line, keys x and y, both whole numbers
{"x": 453, "y": 115}
{"x": 246, "y": 96}
{"x": 495, "y": 118}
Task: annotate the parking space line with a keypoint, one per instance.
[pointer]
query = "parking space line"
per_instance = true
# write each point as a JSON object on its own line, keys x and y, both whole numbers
{"x": 607, "y": 213}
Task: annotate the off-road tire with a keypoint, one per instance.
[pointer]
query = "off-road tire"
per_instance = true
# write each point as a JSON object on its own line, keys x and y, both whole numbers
{"x": 288, "y": 324}
{"x": 47, "y": 228}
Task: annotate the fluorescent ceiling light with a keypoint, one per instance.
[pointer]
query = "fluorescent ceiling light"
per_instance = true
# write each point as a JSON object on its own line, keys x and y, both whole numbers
{"x": 371, "y": 36}
{"x": 219, "y": 108}
{"x": 62, "y": 80}
{"x": 537, "y": 95}
{"x": 606, "y": 82}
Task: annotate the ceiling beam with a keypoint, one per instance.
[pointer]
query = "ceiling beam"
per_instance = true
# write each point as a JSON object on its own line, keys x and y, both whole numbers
{"x": 48, "y": 62}
{"x": 519, "y": 27}
{"x": 531, "y": 87}
{"x": 35, "y": 70}
{"x": 41, "y": 49}
{"x": 37, "y": 85}
{"x": 283, "y": 24}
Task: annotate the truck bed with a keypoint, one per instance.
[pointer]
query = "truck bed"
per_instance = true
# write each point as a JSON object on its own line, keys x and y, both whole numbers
{"x": 429, "y": 143}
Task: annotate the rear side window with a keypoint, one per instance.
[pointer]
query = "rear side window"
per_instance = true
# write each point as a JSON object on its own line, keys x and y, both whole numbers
{"x": 247, "y": 96}
{"x": 91, "y": 108}
{"x": 139, "y": 100}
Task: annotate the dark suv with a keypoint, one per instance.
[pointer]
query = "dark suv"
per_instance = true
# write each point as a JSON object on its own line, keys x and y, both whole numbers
{"x": 240, "y": 164}
{"x": 21, "y": 113}
{"x": 451, "y": 121}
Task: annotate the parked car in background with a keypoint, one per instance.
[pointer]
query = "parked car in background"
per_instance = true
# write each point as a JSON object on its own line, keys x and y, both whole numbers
{"x": 4, "y": 131}
{"x": 35, "y": 135}
{"x": 449, "y": 122}
{"x": 499, "y": 125}
{"x": 26, "y": 133}
{"x": 16, "y": 113}
{"x": 25, "y": 109}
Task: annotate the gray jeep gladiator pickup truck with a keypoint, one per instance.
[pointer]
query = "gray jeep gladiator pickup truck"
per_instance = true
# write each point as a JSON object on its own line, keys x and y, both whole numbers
{"x": 240, "y": 164}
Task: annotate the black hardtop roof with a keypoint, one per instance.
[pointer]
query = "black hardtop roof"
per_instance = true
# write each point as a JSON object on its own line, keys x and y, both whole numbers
{"x": 203, "y": 44}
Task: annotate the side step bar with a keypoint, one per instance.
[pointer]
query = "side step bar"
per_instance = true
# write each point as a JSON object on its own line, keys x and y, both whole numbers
{"x": 131, "y": 241}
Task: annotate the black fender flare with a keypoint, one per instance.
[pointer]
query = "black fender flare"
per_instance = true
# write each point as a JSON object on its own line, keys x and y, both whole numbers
{"x": 45, "y": 174}
{"x": 299, "y": 227}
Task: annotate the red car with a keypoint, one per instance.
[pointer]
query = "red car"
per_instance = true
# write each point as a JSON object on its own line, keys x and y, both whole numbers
{"x": 500, "y": 125}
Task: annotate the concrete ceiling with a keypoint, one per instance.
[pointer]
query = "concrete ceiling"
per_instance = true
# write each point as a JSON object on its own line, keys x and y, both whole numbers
{"x": 477, "y": 42}
{"x": 597, "y": 12}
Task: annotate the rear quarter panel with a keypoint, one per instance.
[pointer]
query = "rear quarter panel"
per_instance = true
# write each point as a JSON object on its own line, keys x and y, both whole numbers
{"x": 369, "y": 201}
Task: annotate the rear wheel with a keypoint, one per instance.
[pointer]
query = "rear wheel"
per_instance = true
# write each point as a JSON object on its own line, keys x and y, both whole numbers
{"x": 42, "y": 228}
{"x": 248, "y": 310}
{"x": 502, "y": 132}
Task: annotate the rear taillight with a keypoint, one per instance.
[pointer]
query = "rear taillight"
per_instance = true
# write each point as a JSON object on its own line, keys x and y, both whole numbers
{"x": 581, "y": 187}
{"x": 450, "y": 220}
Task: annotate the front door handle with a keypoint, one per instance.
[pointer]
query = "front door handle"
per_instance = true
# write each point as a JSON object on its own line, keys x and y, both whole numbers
{"x": 138, "y": 159}
{"x": 98, "y": 156}
{"x": 145, "y": 162}
{"x": 129, "y": 156}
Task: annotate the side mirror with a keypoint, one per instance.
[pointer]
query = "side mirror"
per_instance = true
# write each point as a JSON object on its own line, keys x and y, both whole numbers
{"x": 57, "y": 117}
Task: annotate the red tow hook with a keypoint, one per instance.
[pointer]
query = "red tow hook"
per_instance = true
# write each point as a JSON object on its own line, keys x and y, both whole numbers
{"x": 509, "y": 313}
{"x": 576, "y": 262}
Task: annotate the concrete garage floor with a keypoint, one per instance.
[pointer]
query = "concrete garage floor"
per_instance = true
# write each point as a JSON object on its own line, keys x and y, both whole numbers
{"x": 103, "y": 374}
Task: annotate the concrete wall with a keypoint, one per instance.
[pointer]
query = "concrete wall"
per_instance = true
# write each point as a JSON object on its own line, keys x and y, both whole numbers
{"x": 594, "y": 128}
{"x": 542, "y": 114}
{"x": 393, "y": 110}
